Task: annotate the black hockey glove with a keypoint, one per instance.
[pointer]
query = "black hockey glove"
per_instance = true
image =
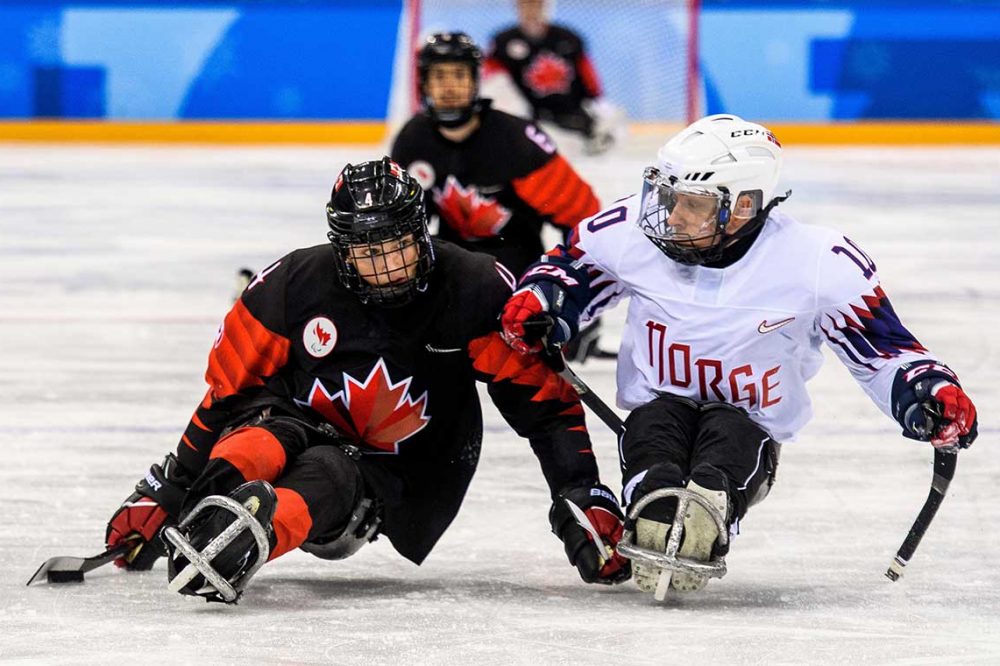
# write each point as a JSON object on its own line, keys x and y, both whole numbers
{"x": 155, "y": 503}
{"x": 589, "y": 522}
{"x": 931, "y": 406}
{"x": 544, "y": 313}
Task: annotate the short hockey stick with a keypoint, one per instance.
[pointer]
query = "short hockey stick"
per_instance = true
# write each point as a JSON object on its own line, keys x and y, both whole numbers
{"x": 71, "y": 569}
{"x": 944, "y": 471}
{"x": 538, "y": 330}
{"x": 589, "y": 398}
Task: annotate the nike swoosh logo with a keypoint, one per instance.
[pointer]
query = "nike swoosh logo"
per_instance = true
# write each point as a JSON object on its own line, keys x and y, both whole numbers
{"x": 767, "y": 328}
{"x": 490, "y": 189}
{"x": 440, "y": 350}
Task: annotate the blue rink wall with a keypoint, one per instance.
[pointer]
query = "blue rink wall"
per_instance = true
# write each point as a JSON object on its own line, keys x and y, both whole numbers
{"x": 333, "y": 59}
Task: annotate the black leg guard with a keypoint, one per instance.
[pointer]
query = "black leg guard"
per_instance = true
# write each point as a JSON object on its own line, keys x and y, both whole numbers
{"x": 333, "y": 488}
{"x": 660, "y": 475}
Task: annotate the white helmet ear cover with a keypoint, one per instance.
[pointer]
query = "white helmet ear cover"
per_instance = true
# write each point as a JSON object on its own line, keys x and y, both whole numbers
{"x": 725, "y": 151}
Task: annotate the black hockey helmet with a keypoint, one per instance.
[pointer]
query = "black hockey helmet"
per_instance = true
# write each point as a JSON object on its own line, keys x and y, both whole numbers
{"x": 449, "y": 47}
{"x": 378, "y": 228}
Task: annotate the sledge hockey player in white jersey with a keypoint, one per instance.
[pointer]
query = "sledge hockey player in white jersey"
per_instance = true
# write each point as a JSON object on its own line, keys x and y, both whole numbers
{"x": 730, "y": 301}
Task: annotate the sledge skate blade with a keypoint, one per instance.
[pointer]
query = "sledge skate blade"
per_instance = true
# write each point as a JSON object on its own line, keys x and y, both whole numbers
{"x": 700, "y": 528}
{"x": 670, "y": 560}
{"x": 663, "y": 584}
{"x": 651, "y": 535}
{"x": 201, "y": 561}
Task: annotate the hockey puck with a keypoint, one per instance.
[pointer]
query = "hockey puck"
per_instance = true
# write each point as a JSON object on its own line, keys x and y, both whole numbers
{"x": 64, "y": 576}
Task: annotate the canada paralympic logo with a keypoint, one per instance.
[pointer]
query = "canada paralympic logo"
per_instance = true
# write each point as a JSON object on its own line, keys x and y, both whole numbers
{"x": 319, "y": 337}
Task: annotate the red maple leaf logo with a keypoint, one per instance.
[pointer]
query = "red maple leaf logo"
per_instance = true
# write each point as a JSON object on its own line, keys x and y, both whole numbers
{"x": 548, "y": 75}
{"x": 375, "y": 412}
{"x": 467, "y": 212}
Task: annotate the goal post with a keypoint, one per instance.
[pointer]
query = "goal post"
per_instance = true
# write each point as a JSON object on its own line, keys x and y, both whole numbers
{"x": 645, "y": 51}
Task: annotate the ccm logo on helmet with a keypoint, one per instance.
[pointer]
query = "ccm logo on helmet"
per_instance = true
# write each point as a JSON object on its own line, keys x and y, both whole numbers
{"x": 752, "y": 132}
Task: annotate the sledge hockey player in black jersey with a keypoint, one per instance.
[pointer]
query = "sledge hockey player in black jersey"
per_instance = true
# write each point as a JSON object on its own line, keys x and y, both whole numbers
{"x": 492, "y": 179}
{"x": 730, "y": 302}
{"x": 549, "y": 65}
{"x": 342, "y": 404}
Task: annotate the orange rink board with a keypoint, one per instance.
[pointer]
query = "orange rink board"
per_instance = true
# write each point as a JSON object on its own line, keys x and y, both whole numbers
{"x": 365, "y": 132}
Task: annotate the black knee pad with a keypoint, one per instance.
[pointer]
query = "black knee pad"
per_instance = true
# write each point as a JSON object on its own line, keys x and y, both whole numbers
{"x": 660, "y": 475}
{"x": 710, "y": 477}
{"x": 331, "y": 484}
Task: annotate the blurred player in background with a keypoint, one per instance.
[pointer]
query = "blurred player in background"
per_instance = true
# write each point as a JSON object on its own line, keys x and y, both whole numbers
{"x": 493, "y": 180}
{"x": 549, "y": 65}
{"x": 342, "y": 404}
{"x": 730, "y": 303}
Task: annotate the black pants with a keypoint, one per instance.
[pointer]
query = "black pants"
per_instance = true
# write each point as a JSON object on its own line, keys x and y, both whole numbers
{"x": 573, "y": 120}
{"x": 327, "y": 479}
{"x": 714, "y": 444}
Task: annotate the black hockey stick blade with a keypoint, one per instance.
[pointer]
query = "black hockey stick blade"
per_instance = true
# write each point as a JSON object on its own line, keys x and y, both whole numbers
{"x": 944, "y": 471}
{"x": 71, "y": 569}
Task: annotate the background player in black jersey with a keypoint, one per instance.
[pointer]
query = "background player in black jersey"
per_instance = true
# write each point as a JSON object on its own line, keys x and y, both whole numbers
{"x": 342, "y": 405}
{"x": 549, "y": 65}
{"x": 492, "y": 179}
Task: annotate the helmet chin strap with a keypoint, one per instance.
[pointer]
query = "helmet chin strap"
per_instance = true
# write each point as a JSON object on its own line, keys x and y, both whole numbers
{"x": 453, "y": 118}
{"x": 757, "y": 220}
{"x": 736, "y": 245}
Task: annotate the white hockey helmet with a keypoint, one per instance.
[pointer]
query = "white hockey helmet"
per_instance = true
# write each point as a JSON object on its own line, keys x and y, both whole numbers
{"x": 729, "y": 165}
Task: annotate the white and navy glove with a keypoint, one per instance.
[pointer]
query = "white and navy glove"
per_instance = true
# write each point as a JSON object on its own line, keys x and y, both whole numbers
{"x": 590, "y": 524}
{"x": 930, "y": 405}
{"x": 544, "y": 313}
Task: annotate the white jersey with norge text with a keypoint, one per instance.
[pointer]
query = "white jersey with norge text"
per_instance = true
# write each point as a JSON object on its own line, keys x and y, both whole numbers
{"x": 748, "y": 334}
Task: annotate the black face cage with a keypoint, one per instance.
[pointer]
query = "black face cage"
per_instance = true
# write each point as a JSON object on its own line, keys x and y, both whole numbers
{"x": 383, "y": 228}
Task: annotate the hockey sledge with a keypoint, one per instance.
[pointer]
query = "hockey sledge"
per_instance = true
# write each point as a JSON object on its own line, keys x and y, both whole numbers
{"x": 670, "y": 561}
{"x": 201, "y": 561}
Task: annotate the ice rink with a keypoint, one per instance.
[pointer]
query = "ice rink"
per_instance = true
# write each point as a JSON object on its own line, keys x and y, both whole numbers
{"x": 117, "y": 264}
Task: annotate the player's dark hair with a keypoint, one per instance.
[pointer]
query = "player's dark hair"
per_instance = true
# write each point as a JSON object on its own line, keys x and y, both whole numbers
{"x": 444, "y": 47}
{"x": 372, "y": 203}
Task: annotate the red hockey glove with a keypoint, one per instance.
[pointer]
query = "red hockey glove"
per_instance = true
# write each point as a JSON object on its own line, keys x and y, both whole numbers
{"x": 138, "y": 519}
{"x": 156, "y": 501}
{"x": 589, "y": 523}
{"x": 545, "y": 312}
{"x": 931, "y": 406}
{"x": 535, "y": 318}
{"x": 958, "y": 425}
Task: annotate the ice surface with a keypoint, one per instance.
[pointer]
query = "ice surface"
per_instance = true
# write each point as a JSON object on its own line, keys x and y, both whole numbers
{"x": 116, "y": 265}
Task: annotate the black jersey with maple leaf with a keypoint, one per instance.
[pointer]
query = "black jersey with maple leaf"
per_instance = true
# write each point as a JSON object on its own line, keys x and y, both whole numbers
{"x": 553, "y": 73}
{"x": 494, "y": 190}
{"x": 397, "y": 382}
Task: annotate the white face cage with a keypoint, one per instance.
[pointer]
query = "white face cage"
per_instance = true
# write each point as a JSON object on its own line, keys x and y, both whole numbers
{"x": 682, "y": 214}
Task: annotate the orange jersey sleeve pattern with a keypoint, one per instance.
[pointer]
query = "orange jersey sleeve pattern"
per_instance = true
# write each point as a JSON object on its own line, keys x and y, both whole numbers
{"x": 588, "y": 76}
{"x": 557, "y": 191}
{"x": 492, "y": 66}
{"x": 540, "y": 406}
{"x": 244, "y": 353}
{"x": 493, "y": 357}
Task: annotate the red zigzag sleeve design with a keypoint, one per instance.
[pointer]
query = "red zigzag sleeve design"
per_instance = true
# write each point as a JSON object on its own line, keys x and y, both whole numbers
{"x": 493, "y": 357}
{"x": 556, "y": 190}
{"x": 244, "y": 354}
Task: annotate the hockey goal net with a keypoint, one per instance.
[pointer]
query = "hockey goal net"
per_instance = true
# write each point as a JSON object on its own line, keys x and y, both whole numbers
{"x": 645, "y": 51}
